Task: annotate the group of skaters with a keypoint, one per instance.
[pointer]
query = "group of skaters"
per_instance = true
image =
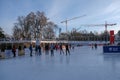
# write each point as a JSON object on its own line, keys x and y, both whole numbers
{"x": 37, "y": 50}
{"x": 50, "y": 48}
{"x": 8, "y": 51}
{"x": 47, "y": 48}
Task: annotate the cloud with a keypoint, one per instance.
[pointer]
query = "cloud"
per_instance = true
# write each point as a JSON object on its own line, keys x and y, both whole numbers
{"x": 58, "y": 7}
{"x": 112, "y": 8}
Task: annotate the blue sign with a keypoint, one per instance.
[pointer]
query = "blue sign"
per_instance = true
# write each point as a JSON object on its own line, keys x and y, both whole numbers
{"x": 111, "y": 49}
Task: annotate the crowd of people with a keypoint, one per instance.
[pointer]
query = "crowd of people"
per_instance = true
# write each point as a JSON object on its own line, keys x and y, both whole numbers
{"x": 49, "y": 48}
{"x": 39, "y": 49}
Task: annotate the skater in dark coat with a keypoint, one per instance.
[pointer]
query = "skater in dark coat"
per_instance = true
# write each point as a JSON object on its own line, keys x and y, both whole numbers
{"x": 61, "y": 49}
{"x": 14, "y": 51}
{"x": 52, "y": 49}
{"x": 46, "y": 49}
{"x": 39, "y": 49}
{"x": 67, "y": 49}
{"x": 30, "y": 48}
{"x": 36, "y": 50}
{"x": 95, "y": 46}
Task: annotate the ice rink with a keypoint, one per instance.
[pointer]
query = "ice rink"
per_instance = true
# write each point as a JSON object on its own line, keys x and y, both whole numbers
{"x": 83, "y": 64}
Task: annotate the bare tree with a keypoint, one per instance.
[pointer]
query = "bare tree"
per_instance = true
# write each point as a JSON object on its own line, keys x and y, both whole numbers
{"x": 16, "y": 32}
{"x": 50, "y": 30}
{"x": 41, "y": 22}
{"x": 34, "y": 24}
{"x": 2, "y": 33}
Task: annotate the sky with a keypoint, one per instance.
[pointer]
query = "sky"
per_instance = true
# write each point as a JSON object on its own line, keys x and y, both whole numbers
{"x": 96, "y": 11}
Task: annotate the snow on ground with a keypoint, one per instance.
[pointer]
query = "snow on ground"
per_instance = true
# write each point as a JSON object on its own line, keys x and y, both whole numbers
{"x": 83, "y": 64}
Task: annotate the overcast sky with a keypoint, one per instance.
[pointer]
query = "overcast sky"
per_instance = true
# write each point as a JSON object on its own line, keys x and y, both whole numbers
{"x": 97, "y": 11}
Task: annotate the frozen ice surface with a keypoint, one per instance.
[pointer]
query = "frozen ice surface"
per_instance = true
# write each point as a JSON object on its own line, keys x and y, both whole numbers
{"x": 83, "y": 64}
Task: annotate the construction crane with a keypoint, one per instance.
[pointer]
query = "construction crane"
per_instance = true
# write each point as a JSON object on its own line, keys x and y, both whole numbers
{"x": 66, "y": 21}
{"x": 105, "y": 25}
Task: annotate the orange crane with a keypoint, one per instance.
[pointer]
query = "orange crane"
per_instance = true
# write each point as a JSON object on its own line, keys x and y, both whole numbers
{"x": 66, "y": 21}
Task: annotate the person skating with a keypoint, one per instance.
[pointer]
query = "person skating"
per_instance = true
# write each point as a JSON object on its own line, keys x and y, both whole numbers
{"x": 30, "y": 50}
{"x": 52, "y": 49}
{"x": 14, "y": 51}
{"x": 92, "y": 46}
{"x": 95, "y": 46}
{"x": 73, "y": 47}
{"x": 67, "y": 49}
{"x": 39, "y": 49}
{"x": 36, "y": 50}
{"x": 46, "y": 49}
{"x": 61, "y": 49}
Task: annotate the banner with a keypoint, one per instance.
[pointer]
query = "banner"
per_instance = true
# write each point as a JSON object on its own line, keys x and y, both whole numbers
{"x": 112, "y": 37}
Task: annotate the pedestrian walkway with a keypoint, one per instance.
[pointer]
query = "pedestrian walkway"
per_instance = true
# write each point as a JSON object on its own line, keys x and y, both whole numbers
{"x": 82, "y": 64}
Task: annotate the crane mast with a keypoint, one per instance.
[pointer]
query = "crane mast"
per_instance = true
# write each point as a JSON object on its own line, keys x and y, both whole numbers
{"x": 105, "y": 25}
